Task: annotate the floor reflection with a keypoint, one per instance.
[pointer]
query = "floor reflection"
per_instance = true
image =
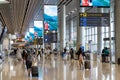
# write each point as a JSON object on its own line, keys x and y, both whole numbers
{"x": 58, "y": 69}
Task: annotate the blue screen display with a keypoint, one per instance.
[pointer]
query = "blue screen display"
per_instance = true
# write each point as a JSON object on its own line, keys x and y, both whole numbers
{"x": 38, "y": 28}
{"x": 32, "y": 36}
{"x": 50, "y": 17}
{"x": 38, "y": 31}
{"x": 95, "y": 3}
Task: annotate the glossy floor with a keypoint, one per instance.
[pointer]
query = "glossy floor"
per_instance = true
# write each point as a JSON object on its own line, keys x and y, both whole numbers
{"x": 57, "y": 69}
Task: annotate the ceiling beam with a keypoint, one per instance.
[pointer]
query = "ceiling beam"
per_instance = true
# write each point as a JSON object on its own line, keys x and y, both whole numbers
{"x": 24, "y": 15}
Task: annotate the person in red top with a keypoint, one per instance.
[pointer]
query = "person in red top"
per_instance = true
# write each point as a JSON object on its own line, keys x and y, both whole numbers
{"x": 46, "y": 26}
{"x": 85, "y": 2}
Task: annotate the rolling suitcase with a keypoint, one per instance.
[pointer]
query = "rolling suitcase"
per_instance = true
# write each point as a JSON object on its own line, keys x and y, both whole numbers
{"x": 87, "y": 64}
{"x": 34, "y": 71}
{"x": 118, "y": 61}
{"x": 87, "y": 56}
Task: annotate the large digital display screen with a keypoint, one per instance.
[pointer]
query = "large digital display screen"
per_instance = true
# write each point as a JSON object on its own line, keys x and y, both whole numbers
{"x": 95, "y": 3}
{"x": 31, "y": 30}
{"x": 27, "y": 38}
{"x": 32, "y": 37}
{"x": 94, "y": 19}
{"x": 50, "y": 17}
{"x": 38, "y": 28}
{"x": 31, "y": 33}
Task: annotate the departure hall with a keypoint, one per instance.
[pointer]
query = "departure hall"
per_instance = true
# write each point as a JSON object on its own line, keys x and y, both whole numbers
{"x": 59, "y": 40}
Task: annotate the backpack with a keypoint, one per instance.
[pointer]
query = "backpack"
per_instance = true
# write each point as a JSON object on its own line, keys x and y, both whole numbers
{"x": 29, "y": 58}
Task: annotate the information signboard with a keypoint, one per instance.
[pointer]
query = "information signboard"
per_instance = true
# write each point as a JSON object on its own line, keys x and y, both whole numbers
{"x": 50, "y": 37}
{"x": 94, "y": 19}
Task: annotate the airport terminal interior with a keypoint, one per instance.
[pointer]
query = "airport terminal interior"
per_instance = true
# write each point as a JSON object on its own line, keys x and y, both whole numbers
{"x": 59, "y": 39}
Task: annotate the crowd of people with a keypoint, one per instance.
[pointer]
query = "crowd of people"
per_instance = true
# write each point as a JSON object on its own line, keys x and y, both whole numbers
{"x": 28, "y": 55}
{"x": 31, "y": 55}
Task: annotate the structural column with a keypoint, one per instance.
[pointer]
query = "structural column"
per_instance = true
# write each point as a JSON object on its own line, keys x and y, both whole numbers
{"x": 10, "y": 41}
{"x": 71, "y": 34}
{"x": 99, "y": 39}
{"x": 80, "y": 35}
{"x": 80, "y": 30}
{"x": 117, "y": 29}
{"x": 63, "y": 28}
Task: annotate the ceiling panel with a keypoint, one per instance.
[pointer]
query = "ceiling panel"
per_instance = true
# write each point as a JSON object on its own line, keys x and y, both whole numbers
{"x": 19, "y": 14}
{"x": 6, "y": 14}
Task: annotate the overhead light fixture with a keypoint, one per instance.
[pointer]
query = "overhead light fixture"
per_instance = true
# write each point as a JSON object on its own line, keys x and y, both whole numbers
{"x": 4, "y": 1}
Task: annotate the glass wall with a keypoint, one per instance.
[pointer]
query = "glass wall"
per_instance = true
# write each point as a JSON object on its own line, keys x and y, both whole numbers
{"x": 71, "y": 33}
{"x": 74, "y": 32}
{"x": 105, "y": 34}
{"x": 67, "y": 34}
{"x": 91, "y": 38}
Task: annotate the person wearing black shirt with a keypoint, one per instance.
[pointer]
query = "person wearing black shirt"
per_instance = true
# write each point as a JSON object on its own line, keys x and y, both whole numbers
{"x": 72, "y": 53}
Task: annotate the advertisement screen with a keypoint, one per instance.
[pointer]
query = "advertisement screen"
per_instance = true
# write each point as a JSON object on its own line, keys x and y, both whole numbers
{"x": 26, "y": 39}
{"x": 38, "y": 28}
{"x": 31, "y": 30}
{"x": 32, "y": 37}
{"x": 95, "y": 3}
{"x": 29, "y": 37}
{"x": 50, "y": 17}
{"x": 31, "y": 33}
